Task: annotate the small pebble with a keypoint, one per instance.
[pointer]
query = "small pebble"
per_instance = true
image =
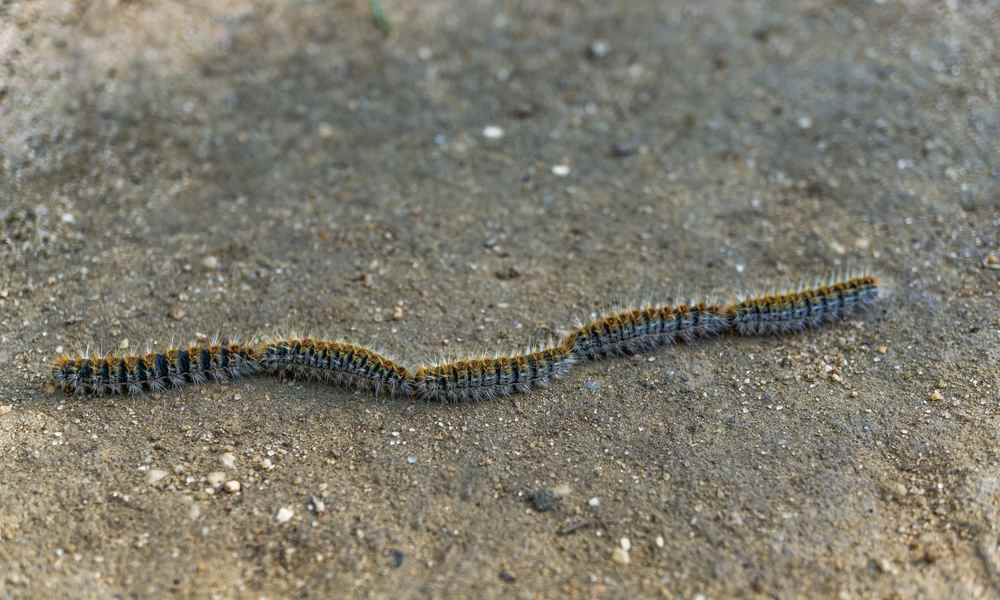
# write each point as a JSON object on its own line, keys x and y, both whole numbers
{"x": 216, "y": 478}
{"x": 154, "y": 476}
{"x": 397, "y": 558}
{"x": 317, "y": 505}
{"x": 623, "y": 150}
{"x": 232, "y": 486}
{"x": 397, "y": 313}
{"x": 68, "y": 218}
{"x": 176, "y": 312}
{"x": 992, "y": 261}
{"x": 882, "y": 349}
{"x": 544, "y": 500}
{"x": 194, "y": 512}
{"x": 937, "y": 396}
{"x": 886, "y": 566}
{"x": 508, "y": 273}
{"x": 625, "y": 543}
{"x": 591, "y": 385}
{"x": 411, "y": 460}
{"x": 523, "y": 110}
{"x": 560, "y": 170}
{"x": 6, "y": 409}
{"x": 660, "y": 542}
{"x": 228, "y": 460}
{"x": 210, "y": 262}
{"x": 598, "y": 49}
{"x": 492, "y": 132}
{"x": 326, "y": 131}
{"x": 594, "y": 502}
{"x": 123, "y": 344}
{"x": 284, "y": 515}
{"x": 620, "y": 556}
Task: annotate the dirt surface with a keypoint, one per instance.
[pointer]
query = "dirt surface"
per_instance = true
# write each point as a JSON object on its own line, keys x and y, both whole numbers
{"x": 173, "y": 170}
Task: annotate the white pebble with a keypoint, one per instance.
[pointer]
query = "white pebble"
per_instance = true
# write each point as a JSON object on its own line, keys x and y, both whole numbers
{"x": 660, "y": 541}
{"x": 68, "y": 218}
{"x": 284, "y": 515}
{"x": 599, "y": 48}
{"x": 326, "y": 131}
{"x": 805, "y": 122}
{"x": 560, "y": 170}
{"x": 210, "y": 262}
{"x": 620, "y": 556}
{"x": 626, "y": 544}
{"x": 154, "y": 476}
{"x": 228, "y": 460}
{"x": 216, "y": 478}
{"x": 492, "y": 132}
{"x": 594, "y": 502}
{"x": 232, "y": 486}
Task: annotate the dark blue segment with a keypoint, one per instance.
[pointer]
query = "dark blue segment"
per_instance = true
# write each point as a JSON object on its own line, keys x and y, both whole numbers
{"x": 141, "y": 374}
{"x": 161, "y": 367}
{"x": 122, "y": 375}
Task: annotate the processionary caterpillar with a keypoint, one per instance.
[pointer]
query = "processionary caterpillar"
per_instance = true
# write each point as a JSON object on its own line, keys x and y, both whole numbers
{"x": 621, "y": 332}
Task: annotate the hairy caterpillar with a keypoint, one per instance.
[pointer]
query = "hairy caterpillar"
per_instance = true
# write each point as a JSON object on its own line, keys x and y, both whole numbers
{"x": 100, "y": 374}
{"x": 622, "y": 332}
{"x": 484, "y": 378}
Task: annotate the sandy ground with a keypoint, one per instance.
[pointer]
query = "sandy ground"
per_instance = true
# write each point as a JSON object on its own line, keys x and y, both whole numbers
{"x": 172, "y": 170}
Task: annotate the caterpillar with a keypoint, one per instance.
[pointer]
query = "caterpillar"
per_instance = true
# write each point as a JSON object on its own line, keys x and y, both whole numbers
{"x": 616, "y": 333}
{"x": 99, "y": 374}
